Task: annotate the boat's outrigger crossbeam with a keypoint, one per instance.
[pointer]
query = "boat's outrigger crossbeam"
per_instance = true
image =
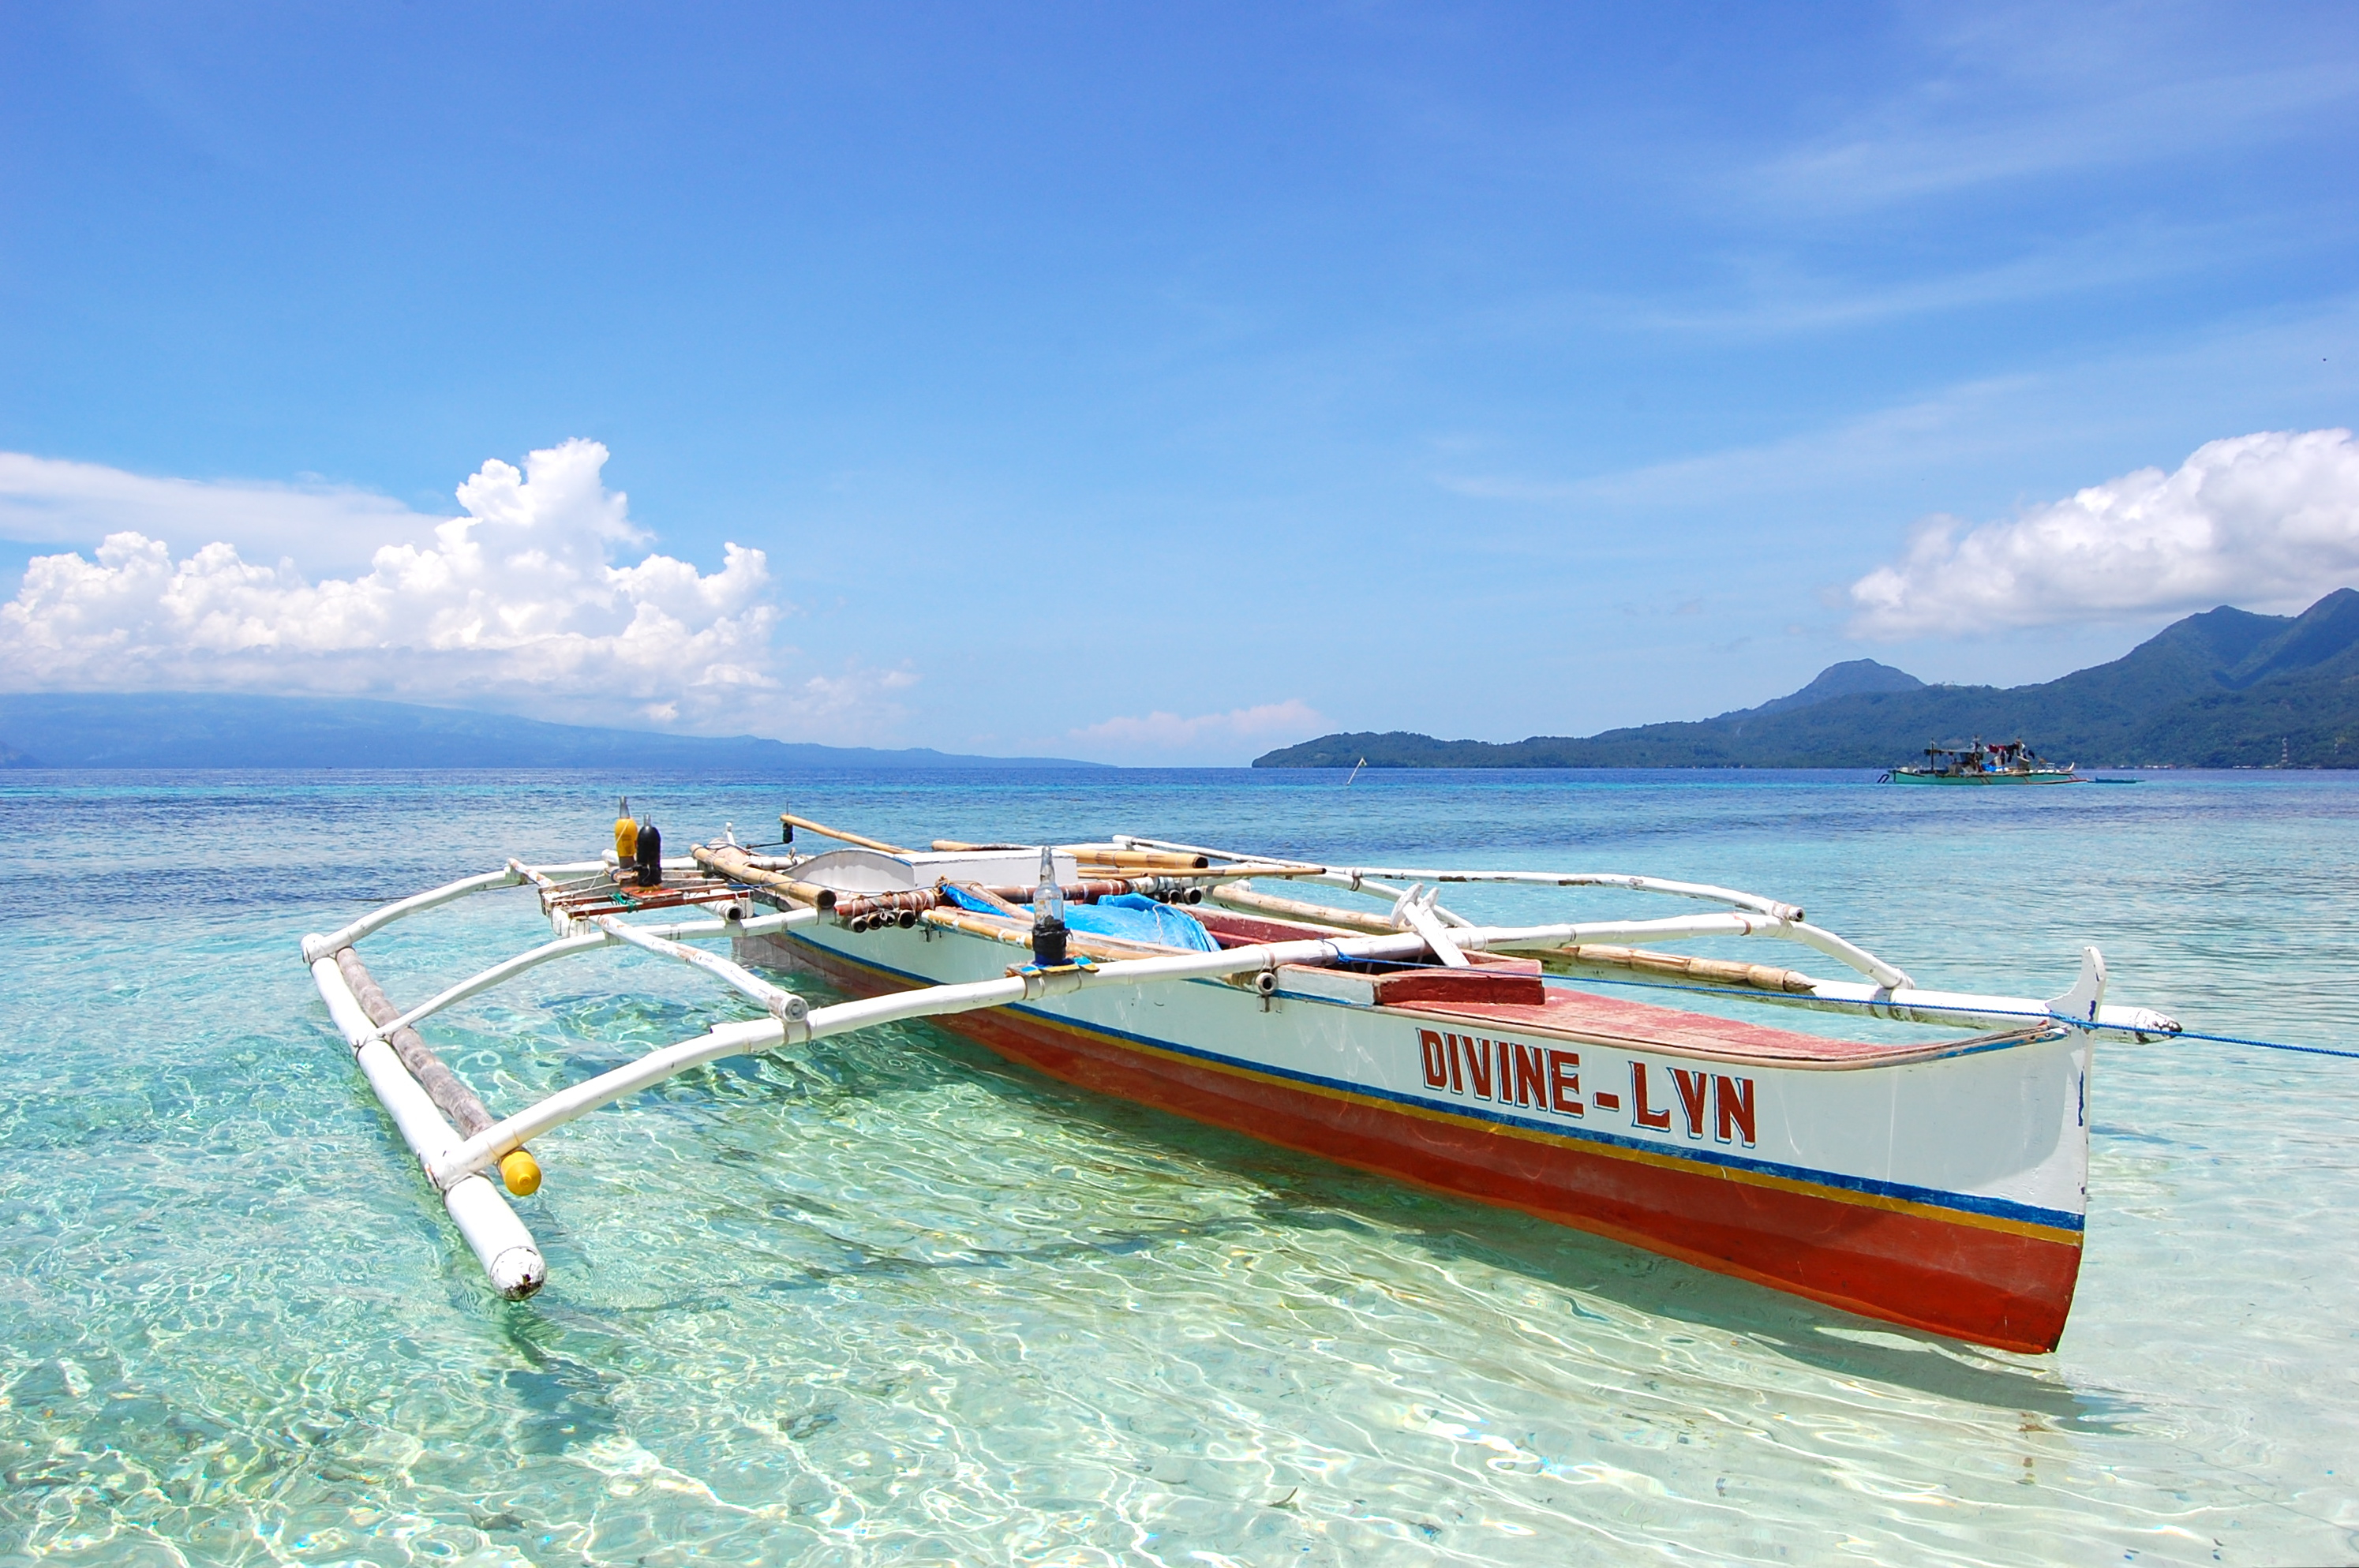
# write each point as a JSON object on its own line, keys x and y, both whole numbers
{"x": 1357, "y": 877}
{"x": 455, "y": 1157}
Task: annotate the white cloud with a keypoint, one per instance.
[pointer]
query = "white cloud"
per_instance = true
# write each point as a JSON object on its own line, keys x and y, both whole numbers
{"x": 1163, "y": 732}
{"x": 46, "y": 500}
{"x": 1900, "y": 438}
{"x": 519, "y": 604}
{"x": 2268, "y": 521}
{"x": 2005, "y": 95}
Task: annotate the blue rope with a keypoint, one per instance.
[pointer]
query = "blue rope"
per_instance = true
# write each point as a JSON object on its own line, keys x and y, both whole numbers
{"x": 2267, "y": 1044}
{"x": 1984, "y": 1012}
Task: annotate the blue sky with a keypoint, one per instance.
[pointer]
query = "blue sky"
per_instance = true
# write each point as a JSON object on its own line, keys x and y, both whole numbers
{"x": 1163, "y": 385}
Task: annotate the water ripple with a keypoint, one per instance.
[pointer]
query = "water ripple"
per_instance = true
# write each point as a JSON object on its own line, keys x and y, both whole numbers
{"x": 900, "y": 1301}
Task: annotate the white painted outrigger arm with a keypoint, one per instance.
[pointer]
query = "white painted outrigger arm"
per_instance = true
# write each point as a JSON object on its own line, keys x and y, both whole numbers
{"x": 600, "y": 938}
{"x": 506, "y": 1249}
{"x": 788, "y": 1027}
{"x": 316, "y": 947}
{"x": 931, "y": 1001}
{"x": 1787, "y": 919}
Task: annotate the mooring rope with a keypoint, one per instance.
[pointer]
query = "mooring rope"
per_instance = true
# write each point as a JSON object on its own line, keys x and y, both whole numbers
{"x": 1987, "y": 1013}
{"x": 2266, "y": 1044}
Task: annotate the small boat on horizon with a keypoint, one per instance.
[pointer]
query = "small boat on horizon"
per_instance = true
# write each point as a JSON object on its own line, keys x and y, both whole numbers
{"x": 1982, "y": 762}
{"x": 1938, "y": 1182}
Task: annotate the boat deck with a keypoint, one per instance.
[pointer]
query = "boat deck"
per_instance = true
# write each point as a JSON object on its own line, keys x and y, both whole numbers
{"x": 1610, "y": 1020}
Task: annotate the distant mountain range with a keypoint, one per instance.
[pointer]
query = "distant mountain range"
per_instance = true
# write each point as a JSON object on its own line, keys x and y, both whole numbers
{"x": 188, "y": 730}
{"x": 2223, "y": 689}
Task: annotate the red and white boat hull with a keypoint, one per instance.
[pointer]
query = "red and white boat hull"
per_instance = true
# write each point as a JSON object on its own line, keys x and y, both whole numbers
{"x": 1943, "y": 1189}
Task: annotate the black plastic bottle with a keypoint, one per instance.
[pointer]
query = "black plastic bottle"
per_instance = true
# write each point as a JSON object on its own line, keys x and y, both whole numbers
{"x": 650, "y": 855}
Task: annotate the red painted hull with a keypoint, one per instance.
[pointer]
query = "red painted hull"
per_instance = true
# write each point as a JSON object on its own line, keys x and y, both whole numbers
{"x": 1988, "y": 1281}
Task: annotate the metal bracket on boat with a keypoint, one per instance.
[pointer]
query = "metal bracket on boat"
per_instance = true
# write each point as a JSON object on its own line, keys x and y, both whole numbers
{"x": 1262, "y": 981}
{"x": 1414, "y": 910}
{"x": 1056, "y": 980}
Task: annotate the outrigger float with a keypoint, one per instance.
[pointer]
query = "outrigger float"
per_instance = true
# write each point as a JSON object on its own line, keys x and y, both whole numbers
{"x": 1938, "y": 1185}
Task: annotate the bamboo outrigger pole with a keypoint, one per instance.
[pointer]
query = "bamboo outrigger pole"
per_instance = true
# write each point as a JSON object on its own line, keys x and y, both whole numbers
{"x": 878, "y": 845}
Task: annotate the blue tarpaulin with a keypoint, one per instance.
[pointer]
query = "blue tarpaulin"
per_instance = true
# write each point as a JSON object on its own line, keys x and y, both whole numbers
{"x": 1127, "y": 917}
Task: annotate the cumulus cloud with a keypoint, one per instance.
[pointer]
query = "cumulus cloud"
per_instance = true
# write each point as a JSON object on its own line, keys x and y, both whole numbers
{"x": 1159, "y": 731}
{"x": 528, "y": 600}
{"x": 2268, "y": 521}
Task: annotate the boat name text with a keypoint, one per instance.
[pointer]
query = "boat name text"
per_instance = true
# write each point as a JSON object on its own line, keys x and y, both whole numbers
{"x": 1548, "y": 1077}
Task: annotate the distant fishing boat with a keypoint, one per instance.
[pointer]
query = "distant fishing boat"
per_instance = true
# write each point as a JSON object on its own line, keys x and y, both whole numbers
{"x": 1982, "y": 762}
{"x": 1938, "y": 1183}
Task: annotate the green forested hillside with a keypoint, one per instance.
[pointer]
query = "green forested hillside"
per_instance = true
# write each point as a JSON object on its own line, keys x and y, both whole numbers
{"x": 2224, "y": 689}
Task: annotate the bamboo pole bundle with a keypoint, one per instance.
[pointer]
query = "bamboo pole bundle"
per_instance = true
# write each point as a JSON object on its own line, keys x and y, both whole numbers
{"x": 977, "y": 925}
{"x": 918, "y": 900}
{"x": 738, "y": 866}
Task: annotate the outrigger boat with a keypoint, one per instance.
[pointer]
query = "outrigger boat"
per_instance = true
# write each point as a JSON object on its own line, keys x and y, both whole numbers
{"x": 1983, "y": 762}
{"x": 1938, "y": 1184}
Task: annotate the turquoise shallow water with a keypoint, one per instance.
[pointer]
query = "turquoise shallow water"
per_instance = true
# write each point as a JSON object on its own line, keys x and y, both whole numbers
{"x": 899, "y": 1302}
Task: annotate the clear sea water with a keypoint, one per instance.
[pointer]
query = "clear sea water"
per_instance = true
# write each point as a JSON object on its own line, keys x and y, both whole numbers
{"x": 896, "y": 1301}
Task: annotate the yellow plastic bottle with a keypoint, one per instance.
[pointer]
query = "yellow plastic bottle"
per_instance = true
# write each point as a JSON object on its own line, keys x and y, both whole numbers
{"x": 626, "y": 833}
{"x": 520, "y": 1173}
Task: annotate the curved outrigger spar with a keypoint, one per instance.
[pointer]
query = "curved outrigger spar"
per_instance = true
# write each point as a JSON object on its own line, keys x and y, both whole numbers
{"x": 1936, "y": 1185}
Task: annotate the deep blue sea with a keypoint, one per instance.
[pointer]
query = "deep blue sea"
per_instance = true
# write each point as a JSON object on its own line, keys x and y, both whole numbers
{"x": 893, "y": 1300}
